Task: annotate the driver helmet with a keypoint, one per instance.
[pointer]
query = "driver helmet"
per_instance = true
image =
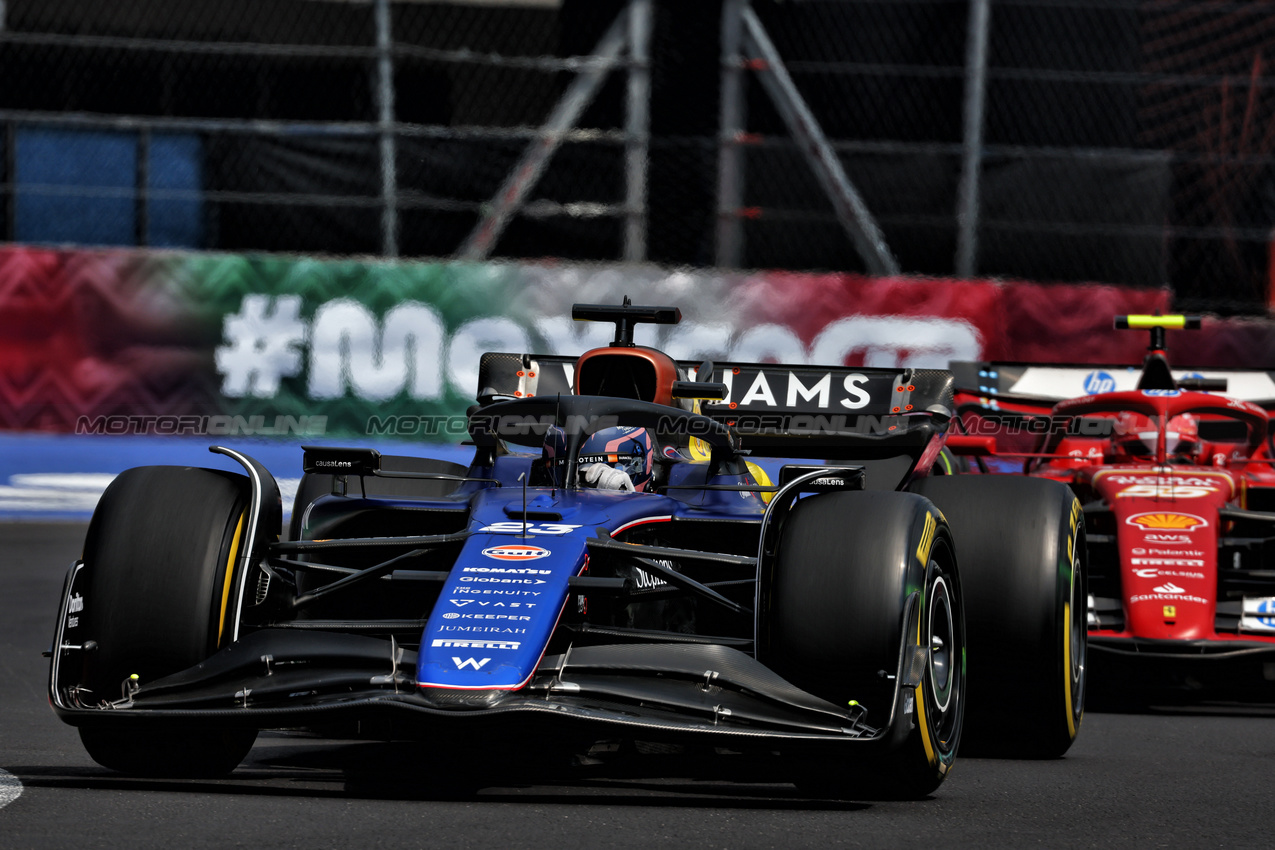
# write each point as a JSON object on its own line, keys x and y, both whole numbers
{"x": 1136, "y": 435}
{"x": 630, "y": 450}
{"x": 1182, "y": 438}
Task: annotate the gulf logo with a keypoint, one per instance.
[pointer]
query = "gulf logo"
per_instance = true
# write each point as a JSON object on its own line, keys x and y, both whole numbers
{"x": 1165, "y": 521}
{"x": 516, "y": 553}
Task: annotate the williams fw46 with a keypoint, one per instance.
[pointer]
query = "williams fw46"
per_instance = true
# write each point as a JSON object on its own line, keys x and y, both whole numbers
{"x": 732, "y": 557}
{"x": 1173, "y": 468}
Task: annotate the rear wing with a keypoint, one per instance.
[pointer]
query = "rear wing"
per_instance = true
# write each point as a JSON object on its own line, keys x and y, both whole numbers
{"x": 779, "y": 410}
{"x": 1048, "y": 383}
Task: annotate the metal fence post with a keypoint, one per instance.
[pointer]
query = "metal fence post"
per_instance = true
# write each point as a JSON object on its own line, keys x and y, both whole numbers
{"x": 385, "y": 121}
{"x": 852, "y": 212}
{"x": 967, "y": 199}
{"x": 141, "y": 202}
{"x": 730, "y": 172}
{"x": 525, "y": 174}
{"x": 637, "y": 141}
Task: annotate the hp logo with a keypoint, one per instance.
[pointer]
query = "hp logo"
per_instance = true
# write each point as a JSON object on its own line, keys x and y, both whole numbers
{"x": 1099, "y": 382}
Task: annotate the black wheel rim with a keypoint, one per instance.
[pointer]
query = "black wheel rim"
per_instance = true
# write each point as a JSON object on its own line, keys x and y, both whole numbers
{"x": 944, "y": 677}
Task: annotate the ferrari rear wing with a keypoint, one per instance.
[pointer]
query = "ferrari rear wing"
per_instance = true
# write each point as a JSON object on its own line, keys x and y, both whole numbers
{"x": 1048, "y": 383}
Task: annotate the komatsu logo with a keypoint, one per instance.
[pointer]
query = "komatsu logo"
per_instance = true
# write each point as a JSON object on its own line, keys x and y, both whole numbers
{"x": 509, "y": 571}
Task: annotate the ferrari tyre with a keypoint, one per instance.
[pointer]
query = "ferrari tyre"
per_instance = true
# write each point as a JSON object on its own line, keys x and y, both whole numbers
{"x": 856, "y": 577}
{"x": 1022, "y": 550}
{"x": 316, "y": 484}
{"x": 159, "y": 577}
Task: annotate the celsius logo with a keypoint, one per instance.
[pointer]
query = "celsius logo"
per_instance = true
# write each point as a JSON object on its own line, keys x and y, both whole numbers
{"x": 516, "y": 553}
{"x": 1099, "y": 382}
{"x": 1160, "y": 522}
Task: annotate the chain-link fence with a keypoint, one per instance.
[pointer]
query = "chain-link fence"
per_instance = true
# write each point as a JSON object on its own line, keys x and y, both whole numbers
{"x": 1120, "y": 141}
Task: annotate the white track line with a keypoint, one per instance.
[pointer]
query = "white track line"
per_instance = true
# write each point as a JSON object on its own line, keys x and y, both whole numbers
{"x": 10, "y": 788}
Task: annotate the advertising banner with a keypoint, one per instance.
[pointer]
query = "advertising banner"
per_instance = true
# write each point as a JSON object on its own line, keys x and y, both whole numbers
{"x": 135, "y": 342}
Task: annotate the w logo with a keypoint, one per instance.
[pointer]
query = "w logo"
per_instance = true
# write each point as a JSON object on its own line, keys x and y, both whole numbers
{"x": 469, "y": 662}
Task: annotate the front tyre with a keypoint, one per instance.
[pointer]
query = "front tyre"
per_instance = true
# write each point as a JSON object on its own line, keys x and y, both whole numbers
{"x": 856, "y": 577}
{"x": 159, "y": 573}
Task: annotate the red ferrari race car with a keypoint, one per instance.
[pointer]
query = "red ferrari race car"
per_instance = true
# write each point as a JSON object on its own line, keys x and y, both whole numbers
{"x": 1178, "y": 496}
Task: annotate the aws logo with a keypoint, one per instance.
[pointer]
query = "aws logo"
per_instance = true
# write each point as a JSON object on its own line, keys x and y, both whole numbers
{"x": 1167, "y": 521}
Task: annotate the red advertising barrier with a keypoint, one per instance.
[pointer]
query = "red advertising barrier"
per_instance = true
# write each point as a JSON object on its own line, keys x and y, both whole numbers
{"x": 1014, "y": 321}
{"x": 94, "y": 333}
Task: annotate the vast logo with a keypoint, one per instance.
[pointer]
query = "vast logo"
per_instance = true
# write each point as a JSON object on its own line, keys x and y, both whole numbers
{"x": 1165, "y": 521}
{"x": 1099, "y": 382}
{"x": 516, "y": 553}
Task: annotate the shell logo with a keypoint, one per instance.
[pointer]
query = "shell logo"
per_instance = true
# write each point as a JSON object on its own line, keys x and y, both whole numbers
{"x": 516, "y": 553}
{"x": 1160, "y": 521}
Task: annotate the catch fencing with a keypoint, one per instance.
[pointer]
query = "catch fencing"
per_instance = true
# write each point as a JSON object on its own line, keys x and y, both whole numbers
{"x": 1116, "y": 141}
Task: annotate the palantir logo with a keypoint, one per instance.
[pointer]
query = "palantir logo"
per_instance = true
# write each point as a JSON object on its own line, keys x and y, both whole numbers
{"x": 1099, "y": 382}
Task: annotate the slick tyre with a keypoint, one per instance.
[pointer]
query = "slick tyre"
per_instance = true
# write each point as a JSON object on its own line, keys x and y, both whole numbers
{"x": 858, "y": 576}
{"x": 1021, "y": 546}
{"x": 159, "y": 572}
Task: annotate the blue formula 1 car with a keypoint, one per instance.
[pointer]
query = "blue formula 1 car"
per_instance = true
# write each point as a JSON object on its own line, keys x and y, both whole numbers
{"x": 615, "y": 565}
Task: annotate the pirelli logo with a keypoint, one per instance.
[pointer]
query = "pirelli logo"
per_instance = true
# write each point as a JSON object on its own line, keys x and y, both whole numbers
{"x": 927, "y": 539}
{"x": 477, "y": 644}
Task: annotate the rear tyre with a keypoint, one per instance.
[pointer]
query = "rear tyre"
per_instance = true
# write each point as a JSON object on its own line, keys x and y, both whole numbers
{"x": 836, "y": 609}
{"x": 1022, "y": 550}
{"x": 159, "y": 573}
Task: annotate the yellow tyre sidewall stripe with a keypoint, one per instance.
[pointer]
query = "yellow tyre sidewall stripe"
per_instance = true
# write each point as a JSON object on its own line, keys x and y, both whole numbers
{"x": 230, "y": 574}
{"x": 1066, "y": 619}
